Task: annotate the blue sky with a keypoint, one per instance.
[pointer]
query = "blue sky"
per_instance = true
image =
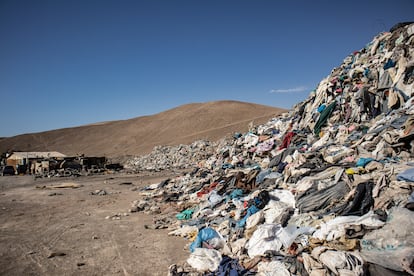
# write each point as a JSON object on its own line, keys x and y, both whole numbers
{"x": 70, "y": 63}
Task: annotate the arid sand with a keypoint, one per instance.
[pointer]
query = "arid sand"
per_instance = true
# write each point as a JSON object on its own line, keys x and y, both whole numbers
{"x": 65, "y": 231}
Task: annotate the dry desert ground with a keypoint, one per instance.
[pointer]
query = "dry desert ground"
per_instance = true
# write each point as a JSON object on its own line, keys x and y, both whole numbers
{"x": 66, "y": 231}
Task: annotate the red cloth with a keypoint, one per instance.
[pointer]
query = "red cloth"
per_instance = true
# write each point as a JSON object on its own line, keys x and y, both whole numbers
{"x": 287, "y": 139}
{"x": 206, "y": 190}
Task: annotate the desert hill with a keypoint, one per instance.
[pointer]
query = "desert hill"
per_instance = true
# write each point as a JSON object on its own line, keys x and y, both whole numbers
{"x": 180, "y": 125}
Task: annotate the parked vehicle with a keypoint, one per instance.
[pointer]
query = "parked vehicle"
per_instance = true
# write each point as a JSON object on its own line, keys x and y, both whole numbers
{"x": 8, "y": 170}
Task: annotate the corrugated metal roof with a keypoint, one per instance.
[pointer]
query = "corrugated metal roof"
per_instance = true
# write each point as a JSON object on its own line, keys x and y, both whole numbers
{"x": 35, "y": 154}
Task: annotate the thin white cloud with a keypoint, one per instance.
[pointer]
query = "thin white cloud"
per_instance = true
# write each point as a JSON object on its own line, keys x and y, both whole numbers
{"x": 289, "y": 90}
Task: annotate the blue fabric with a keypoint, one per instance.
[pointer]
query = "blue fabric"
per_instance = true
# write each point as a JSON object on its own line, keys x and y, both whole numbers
{"x": 275, "y": 131}
{"x": 321, "y": 108}
{"x": 227, "y": 166}
{"x": 407, "y": 175}
{"x": 204, "y": 234}
{"x": 362, "y": 162}
{"x": 260, "y": 177}
{"x": 237, "y": 135}
{"x": 411, "y": 198}
{"x": 229, "y": 267}
{"x": 252, "y": 210}
{"x": 390, "y": 63}
{"x": 236, "y": 194}
{"x": 281, "y": 167}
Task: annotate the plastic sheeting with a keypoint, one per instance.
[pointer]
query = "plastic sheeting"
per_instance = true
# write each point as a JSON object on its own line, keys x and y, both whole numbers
{"x": 204, "y": 235}
{"x": 392, "y": 246}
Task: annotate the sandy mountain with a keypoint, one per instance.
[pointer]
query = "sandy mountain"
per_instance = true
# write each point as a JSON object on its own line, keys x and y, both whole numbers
{"x": 180, "y": 125}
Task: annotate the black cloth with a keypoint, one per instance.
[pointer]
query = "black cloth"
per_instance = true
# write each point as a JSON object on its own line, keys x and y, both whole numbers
{"x": 314, "y": 200}
{"x": 362, "y": 202}
{"x": 230, "y": 267}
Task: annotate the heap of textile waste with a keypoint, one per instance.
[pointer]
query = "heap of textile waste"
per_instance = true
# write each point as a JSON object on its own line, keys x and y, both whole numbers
{"x": 325, "y": 189}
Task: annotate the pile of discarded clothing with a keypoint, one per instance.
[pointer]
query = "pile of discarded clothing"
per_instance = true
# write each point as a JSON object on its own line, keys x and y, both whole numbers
{"x": 172, "y": 157}
{"x": 325, "y": 189}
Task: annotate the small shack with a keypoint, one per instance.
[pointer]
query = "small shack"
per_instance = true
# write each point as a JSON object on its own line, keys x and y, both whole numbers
{"x": 23, "y": 161}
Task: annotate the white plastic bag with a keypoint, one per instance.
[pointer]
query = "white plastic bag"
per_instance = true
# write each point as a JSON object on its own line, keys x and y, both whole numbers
{"x": 204, "y": 259}
{"x": 264, "y": 239}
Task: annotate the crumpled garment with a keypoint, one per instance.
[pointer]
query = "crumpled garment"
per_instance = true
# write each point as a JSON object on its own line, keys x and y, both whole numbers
{"x": 214, "y": 199}
{"x": 339, "y": 262}
{"x": 314, "y": 200}
{"x": 362, "y": 202}
{"x": 258, "y": 203}
{"x": 272, "y": 237}
{"x": 229, "y": 267}
{"x": 254, "y": 219}
{"x": 408, "y": 125}
{"x": 407, "y": 175}
{"x": 252, "y": 210}
{"x": 237, "y": 193}
{"x": 313, "y": 267}
{"x": 184, "y": 215}
{"x": 204, "y": 259}
{"x": 287, "y": 140}
{"x": 343, "y": 244}
{"x": 321, "y": 108}
{"x": 272, "y": 268}
{"x": 336, "y": 228}
{"x": 351, "y": 171}
{"x": 207, "y": 189}
{"x": 389, "y": 64}
{"x": 261, "y": 176}
{"x": 284, "y": 196}
{"x": 323, "y": 118}
{"x": 250, "y": 140}
{"x": 373, "y": 165}
{"x": 280, "y": 207}
{"x": 362, "y": 162}
{"x": 385, "y": 81}
{"x": 265, "y": 146}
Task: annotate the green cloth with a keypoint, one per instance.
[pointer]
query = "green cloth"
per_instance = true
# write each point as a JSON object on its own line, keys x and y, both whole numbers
{"x": 323, "y": 118}
{"x": 184, "y": 215}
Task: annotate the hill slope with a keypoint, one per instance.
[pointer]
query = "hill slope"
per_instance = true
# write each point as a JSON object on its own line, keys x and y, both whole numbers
{"x": 180, "y": 125}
